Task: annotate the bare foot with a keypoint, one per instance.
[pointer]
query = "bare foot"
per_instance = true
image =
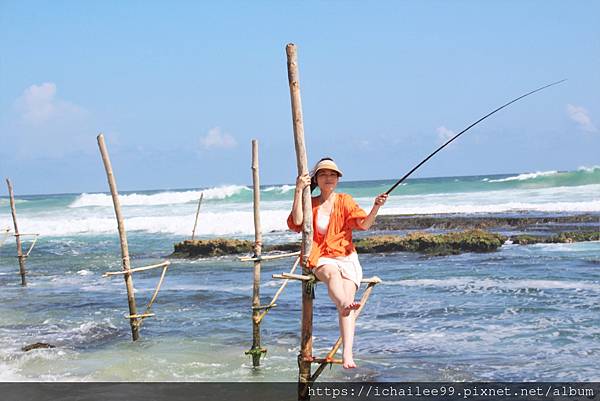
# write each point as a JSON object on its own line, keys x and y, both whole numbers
{"x": 350, "y": 307}
{"x": 348, "y": 363}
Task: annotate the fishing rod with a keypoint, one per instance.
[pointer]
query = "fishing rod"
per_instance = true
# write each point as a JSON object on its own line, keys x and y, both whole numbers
{"x": 465, "y": 130}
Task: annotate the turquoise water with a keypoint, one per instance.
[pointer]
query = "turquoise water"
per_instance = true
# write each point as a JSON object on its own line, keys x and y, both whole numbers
{"x": 522, "y": 313}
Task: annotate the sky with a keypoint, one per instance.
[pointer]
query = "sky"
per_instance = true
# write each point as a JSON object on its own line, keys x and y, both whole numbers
{"x": 179, "y": 89}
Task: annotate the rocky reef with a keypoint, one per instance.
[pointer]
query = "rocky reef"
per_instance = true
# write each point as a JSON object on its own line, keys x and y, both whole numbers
{"x": 211, "y": 247}
{"x": 30, "y": 347}
{"x": 562, "y": 238}
{"x": 477, "y": 234}
{"x": 461, "y": 222}
{"x": 433, "y": 244}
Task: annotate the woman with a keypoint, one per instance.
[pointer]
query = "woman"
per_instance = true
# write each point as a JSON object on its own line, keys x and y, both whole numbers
{"x": 333, "y": 257}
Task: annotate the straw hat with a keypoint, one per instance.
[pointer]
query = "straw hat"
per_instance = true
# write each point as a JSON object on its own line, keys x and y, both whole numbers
{"x": 325, "y": 164}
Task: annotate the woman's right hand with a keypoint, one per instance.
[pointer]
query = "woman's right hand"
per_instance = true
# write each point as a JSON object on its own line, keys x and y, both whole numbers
{"x": 302, "y": 182}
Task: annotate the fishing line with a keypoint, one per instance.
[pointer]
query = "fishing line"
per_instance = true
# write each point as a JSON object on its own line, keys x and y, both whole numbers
{"x": 465, "y": 130}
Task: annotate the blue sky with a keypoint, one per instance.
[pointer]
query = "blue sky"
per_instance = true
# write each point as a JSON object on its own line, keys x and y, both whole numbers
{"x": 180, "y": 88}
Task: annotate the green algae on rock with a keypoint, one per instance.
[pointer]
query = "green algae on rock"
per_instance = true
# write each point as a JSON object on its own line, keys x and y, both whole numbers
{"x": 433, "y": 244}
{"x": 211, "y": 247}
{"x": 562, "y": 238}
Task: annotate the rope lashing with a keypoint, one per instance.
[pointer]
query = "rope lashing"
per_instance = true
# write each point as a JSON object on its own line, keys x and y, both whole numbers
{"x": 310, "y": 285}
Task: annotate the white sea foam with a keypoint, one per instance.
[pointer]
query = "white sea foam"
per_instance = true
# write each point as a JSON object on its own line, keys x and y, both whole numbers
{"x": 478, "y": 284}
{"x": 588, "y": 169}
{"x": 10, "y": 373}
{"x": 6, "y": 201}
{"x": 592, "y": 206}
{"x": 236, "y": 218}
{"x": 87, "y": 332}
{"x": 210, "y": 223}
{"x": 84, "y": 272}
{"x": 161, "y": 198}
{"x": 282, "y": 189}
{"x": 526, "y": 176}
{"x": 583, "y": 198}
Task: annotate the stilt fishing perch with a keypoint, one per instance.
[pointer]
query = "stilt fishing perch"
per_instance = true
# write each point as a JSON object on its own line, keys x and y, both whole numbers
{"x": 465, "y": 130}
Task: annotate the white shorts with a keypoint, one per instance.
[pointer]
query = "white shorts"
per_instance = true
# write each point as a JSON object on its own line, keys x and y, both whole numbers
{"x": 349, "y": 266}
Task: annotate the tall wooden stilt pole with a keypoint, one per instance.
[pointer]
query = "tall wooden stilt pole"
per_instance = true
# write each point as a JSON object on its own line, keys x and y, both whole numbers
{"x": 305, "y": 357}
{"x": 133, "y": 319}
{"x": 256, "y": 350}
{"x": 20, "y": 255}
{"x": 197, "y": 213}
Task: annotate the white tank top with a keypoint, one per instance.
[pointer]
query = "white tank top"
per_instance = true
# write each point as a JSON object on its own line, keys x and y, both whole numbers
{"x": 322, "y": 223}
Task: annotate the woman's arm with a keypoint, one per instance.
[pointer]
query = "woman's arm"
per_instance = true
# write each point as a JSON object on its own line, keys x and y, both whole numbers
{"x": 368, "y": 221}
{"x": 301, "y": 182}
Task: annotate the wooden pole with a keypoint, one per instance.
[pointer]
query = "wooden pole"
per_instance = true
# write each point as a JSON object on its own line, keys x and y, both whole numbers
{"x": 305, "y": 357}
{"x": 133, "y": 321}
{"x": 256, "y": 350}
{"x": 20, "y": 255}
{"x": 197, "y": 213}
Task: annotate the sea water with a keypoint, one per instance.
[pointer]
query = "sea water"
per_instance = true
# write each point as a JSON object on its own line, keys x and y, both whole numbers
{"x": 521, "y": 313}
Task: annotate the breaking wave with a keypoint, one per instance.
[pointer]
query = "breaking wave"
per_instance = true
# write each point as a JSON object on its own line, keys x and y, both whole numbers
{"x": 161, "y": 198}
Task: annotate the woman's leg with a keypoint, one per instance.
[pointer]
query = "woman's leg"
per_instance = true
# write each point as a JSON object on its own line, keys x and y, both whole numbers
{"x": 341, "y": 291}
{"x": 347, "y": 325}
{"x": 330, "y": 275}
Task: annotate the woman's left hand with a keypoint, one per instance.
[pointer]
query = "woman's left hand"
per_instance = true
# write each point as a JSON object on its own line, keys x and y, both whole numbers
{"x": 380, "y": 199}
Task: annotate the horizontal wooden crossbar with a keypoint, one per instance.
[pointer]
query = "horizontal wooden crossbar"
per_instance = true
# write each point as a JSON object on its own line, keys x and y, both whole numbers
{"x": 267, "y": 257}
{"x": 301, "y": 277}
{"x": 143, "y": 315}
{"x": 137, "y": 269}
{"x": 290, "y": 276}
{"x": 325, "y": 360}
{"x": 264, "y": 306}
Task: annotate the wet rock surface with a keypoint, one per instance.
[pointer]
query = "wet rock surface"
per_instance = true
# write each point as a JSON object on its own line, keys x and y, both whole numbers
{"x": 451, "y": 222}
{"x": 433, "y": 244}
{"x": 463, "y": 234}
{"x": 212, "y": 247}
{"x": 36, "y": 346}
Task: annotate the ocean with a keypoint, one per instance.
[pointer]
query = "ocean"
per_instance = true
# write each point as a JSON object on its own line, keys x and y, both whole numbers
{"x": 521, "y": 313}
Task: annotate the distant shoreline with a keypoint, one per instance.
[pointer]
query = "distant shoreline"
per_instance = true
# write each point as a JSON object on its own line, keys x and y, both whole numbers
{"x": 552, "y": 224}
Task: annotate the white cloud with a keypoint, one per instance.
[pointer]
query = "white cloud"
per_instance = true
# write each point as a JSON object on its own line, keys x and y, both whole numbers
{"x": 39, "y": 104}
{"x": 217, "y": 139}
{"x": 581, "y": 117}
{"x": 444, "y": 134}
{"x": 41, "y": 124}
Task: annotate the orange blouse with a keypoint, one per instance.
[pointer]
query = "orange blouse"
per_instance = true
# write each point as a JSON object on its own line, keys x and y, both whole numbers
{"x": 337, "y": 241}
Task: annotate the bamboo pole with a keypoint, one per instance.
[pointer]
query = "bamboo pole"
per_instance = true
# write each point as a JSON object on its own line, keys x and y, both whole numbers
{"x": 197, "y": 213}
{"x": 149, "y": 305}
{"x": 20, "y": 255}
{"x": 302, "y": 165}
{"x": 133, "y": 320}
{"x": 32, "y": 244}
{"x": 268, "y": 257}
{"x": 291, "y": 276}
{"x": 256, "y": 351}
{"x": 137, "y": 269}
{"x": 303, "y": 277}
